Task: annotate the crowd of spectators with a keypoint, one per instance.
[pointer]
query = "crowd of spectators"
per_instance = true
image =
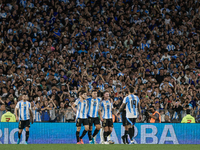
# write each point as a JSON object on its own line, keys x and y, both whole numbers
{"x": 54, "y": 48}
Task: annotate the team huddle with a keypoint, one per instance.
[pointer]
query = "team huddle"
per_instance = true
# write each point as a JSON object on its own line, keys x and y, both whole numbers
{"x": 90, "y": 111}
{"x": 98, "y": 111}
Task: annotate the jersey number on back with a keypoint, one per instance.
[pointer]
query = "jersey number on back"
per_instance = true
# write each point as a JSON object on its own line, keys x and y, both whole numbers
{"x": 133, "y": 102}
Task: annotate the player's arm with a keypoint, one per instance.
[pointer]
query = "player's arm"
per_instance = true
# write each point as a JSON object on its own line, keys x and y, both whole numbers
{"x": 31, "y": 116}
{"x": 74, "y": 106}
{"x": 16, "y": 110}
{"x": 100, "y": 114}
{"x": 122, "y": 106}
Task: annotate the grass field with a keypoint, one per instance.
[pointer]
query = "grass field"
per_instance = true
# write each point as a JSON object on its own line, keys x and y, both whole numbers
{"x": 98, "y": 147}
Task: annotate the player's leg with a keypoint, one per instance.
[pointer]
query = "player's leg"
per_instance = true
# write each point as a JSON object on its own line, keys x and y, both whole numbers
{"x": 97, "y": 128}
{"x": 86, "y": 125}
{"x": 27, "y": 135}
{"x": 90, "y": 130}
{"x": 101, "y": 134}
{"x": 105, "y": 133}
{"x": 19, "y": 135}
{"x": 133, "y": 130}
{"x": 110, "y": 126}
{"x": 133, "y": 120}
{"x": 27, "y": 130}
{"x": 21, "y": 127}
{"x": 96, "y": 131}
{"x": 105, "y": 128}
{"x": 110, "y": 129}
{"x": 130, "y": 131}
{"x": 126, "y": 134}
{"x": 90, "y": 135}
{"x": 78, "y": 129}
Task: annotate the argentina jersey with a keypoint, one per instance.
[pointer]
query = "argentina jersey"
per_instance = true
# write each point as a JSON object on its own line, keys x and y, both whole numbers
{"x": 131, "y": 102}
{"x": 82, "y": 109}
{"x": 36, "y": 115}
{"x": 23, "y": 108}
{"x": 93, "y": 107}
{"x": 106, "y": 109}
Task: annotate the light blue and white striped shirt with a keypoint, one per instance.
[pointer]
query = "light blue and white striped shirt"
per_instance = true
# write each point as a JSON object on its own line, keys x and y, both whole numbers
{"x": 131, "y": 102}
{"x": 101, "y": 87}
{"x": 82, "y": 109}
{"x": 23, "y": 108}
{"x": 106, "y": 109}
{"x": 144, "y": 45}
{"x": 93, "y": 107}
{"x": 36, "y": 115}
{"x": 45, "y": 7}
{"x": 170, "y": 47}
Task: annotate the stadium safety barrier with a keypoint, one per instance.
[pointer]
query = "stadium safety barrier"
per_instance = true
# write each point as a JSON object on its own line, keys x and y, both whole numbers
{"x": 64, "y": 133}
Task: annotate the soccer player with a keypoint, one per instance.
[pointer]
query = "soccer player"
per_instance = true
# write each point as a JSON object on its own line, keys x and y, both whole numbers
{"x": 188, "y": 118}
{"x": 106, "y": 116}
{"x": 23, "y": 108}
{"x": 132, "y": 108}
{"x": 8, "y": 116}
{"x": 93, "y": 112}
{"x": 81, "y": 115}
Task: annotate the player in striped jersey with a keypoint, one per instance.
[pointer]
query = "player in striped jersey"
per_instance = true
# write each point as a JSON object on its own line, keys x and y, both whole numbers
{"x": 81, "y": 115}
{"x": 106, "y": 116}
{"x": 23, "y": 108}
{"x": 93, "y": 111}
{"x": 132, "y": 104}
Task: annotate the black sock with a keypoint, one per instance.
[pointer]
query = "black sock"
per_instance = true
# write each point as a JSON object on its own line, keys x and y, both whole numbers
{"x": 90, "y": 135}
{"x": 126, "y": 135}
{"x": 77, "y": 136}
{"x": 130, "y": 132}
{"x": 105, "y": 135}
{"x": 27, "y": 135}
{"x": 133, "y": 131}
{"x": 19, "y": 135}
{"x": 95, "y": 132}
{"x": 83, "y": 134}
{"x": 108, "y": 133}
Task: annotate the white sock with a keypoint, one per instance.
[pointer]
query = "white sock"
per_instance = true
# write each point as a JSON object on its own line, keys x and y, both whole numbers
{"x": 101, "y": 135}
{"x": 109, "y": 137}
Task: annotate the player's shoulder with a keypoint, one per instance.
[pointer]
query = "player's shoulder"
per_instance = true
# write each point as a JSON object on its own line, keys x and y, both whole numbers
{"x": 77, "y": 100}
{"x": 99, "y": 98}
{"x": 89, "y": 98}
{"x": 102, "y": 101}
{"x": 136, "y": 97}
{"x": 20, "y": 101}
{"x": 126, "y": 97}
